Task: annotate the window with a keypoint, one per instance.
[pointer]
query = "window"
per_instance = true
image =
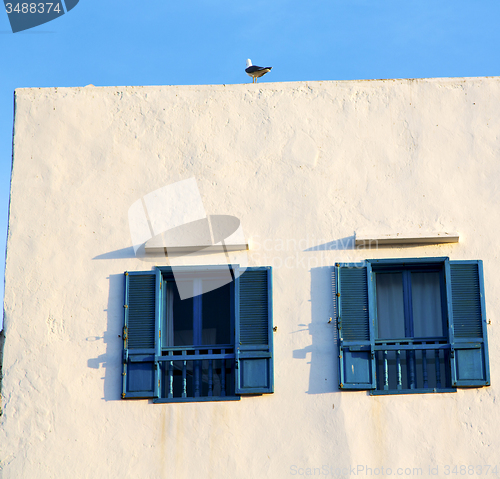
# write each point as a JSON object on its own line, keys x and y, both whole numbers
{"x": 411, "y": 325}
{"x": 197, "y": 334}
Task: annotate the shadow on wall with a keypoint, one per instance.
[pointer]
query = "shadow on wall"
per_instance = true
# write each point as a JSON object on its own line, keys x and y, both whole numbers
{"x": 123, "y": 253}
{"x": 111, "y": 360}
{"x": 323, "y": 375}
{"x": 341, "y": 244}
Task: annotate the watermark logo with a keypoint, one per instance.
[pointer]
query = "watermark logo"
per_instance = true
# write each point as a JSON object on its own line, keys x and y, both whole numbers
{"x": 171, "y": 222}
{"x": 26, "y": 15}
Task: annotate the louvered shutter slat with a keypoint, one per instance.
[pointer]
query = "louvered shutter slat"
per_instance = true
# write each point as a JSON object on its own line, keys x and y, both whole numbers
{"x": 141, "y": 314}
{"x": 466, "y": 301}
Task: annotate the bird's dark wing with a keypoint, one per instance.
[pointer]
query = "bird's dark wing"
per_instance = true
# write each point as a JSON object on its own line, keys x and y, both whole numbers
{"x": 253, "y": 69}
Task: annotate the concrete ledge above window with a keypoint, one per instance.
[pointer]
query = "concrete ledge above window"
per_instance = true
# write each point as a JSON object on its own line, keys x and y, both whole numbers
{"x": 157, "y": 247}
{"x": 214, "y": 234}
{"x": 372, "y": 241}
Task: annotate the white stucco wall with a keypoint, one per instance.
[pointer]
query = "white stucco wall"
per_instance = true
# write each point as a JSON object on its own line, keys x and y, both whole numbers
{"x": 301, "y": 164}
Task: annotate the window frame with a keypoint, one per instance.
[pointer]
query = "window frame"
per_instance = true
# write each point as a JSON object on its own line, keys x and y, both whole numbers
{"x": 407, "y": 269}
{"x": 177, "y": 353}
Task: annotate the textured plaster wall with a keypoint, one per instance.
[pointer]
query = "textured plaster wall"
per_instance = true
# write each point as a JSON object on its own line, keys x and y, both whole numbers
{"x": 304, "y": 166}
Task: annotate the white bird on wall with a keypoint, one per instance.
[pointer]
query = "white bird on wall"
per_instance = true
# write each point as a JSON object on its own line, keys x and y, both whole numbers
{"x": 256, "y": 72}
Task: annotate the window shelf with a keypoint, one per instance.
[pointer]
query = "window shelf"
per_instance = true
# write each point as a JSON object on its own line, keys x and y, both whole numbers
{"x": 373, "y": 241}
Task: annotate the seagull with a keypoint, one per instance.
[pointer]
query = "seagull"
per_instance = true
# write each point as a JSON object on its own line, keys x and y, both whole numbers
{"x": 256, "y": 72}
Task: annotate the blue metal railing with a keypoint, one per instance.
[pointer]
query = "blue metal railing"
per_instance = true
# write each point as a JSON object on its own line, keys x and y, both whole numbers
{"x": 416, "y": 364}
{"x": 197, "y": 372}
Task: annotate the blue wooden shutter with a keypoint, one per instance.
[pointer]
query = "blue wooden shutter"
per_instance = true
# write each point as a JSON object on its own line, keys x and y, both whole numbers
{"x": 142, "y": 303}
{"x": 354, "y": 323}
{"x": 254, "y": 332}
{"x": 467, "y": 324}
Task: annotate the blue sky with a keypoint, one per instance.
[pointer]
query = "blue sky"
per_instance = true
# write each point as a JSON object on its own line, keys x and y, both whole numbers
{"x": 159, "y": 42}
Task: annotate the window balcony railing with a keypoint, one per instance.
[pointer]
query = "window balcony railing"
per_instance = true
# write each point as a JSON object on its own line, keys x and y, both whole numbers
{"x": 412, "y": 365}
{"x": 195, "y": 373}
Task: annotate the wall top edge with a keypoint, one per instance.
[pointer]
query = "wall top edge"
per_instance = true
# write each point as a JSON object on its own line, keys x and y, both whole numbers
{"x": 263, "y": 85}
